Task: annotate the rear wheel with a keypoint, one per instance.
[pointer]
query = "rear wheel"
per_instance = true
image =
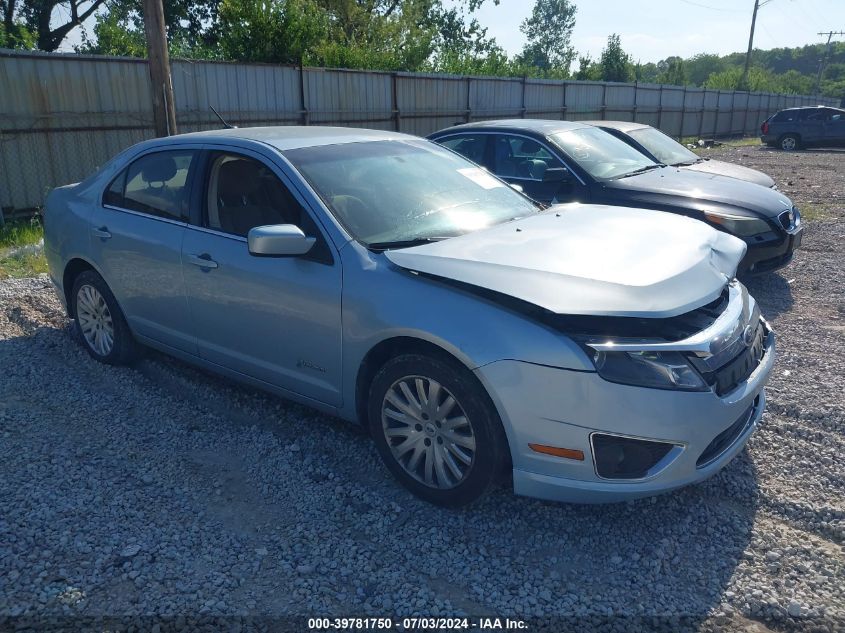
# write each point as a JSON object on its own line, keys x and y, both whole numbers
{"x": 436, "y": 429}
{"x": 789, "y": 142}
{"x": 99, "y": 321}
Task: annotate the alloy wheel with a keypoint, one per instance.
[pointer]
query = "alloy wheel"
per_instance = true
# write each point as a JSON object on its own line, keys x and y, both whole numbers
{"x": 428, "y": 432}
{"x": 788, "y": 143}
{"x": 95, "y": 320}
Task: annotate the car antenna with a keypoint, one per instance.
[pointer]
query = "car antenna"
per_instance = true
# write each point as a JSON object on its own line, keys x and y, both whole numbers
{"x": 227, "y": 126}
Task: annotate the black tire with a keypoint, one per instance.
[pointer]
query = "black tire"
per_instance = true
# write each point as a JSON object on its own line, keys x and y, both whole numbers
{"x": 490, "y": 456}
{"x": 124, "y": 349}
{"x": 789, "y": 142}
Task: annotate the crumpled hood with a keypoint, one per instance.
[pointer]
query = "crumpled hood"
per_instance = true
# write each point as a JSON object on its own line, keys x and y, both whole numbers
{"x": 681, "y": 182}
{"x": 589, "y": 260}
{"x": 732, "y": 170}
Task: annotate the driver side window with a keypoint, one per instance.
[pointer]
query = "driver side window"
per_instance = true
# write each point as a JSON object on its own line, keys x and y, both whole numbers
{"x": 244, "y": 193}
{"x": 519, "y": 157}
{"x": 155, "y": 184}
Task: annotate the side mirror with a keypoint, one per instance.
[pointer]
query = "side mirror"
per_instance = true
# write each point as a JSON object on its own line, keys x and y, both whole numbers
{"x": 557, "y": 174}
{"x": 278, "y": 240}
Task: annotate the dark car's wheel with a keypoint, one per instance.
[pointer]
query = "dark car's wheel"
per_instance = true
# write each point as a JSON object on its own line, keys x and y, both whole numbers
{"x": 436, "y": 429}
{"x": 789, "y": 142}
{"x": 99, "y": 321}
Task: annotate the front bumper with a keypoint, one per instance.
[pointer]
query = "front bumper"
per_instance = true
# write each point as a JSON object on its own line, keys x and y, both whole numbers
{"x": 562, "y": 408}
{"x": 765, "y": 258}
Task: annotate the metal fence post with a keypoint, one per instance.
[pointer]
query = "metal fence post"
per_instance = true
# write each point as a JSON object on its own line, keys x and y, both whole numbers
{"x": 468, "y": 112}
{"x": 660, "y": 109}
{"x": 303, "y": 102}
{"x": 716, "y": 113}
{"x": 522, "y": 109}
{"x": 683, "y": 113}
{"x": 396, "y": 118}
{"x": 564, "y": 106}
{"x": 604, "y": 101}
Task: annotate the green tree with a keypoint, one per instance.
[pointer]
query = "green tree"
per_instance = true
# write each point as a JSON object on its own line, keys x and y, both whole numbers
{"x": 548, "y": 31}
{"x": 279, "y": 31}
{"x": 42, "y": 24}
{"x": 672, "y": 71}
{"x": 615, "y": 64}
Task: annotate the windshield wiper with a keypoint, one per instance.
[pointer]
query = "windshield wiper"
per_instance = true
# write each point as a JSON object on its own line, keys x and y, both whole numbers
{"x": 640, "y": 170}
{"x": 417, "y": 241}
{"x": 685, "y": 163}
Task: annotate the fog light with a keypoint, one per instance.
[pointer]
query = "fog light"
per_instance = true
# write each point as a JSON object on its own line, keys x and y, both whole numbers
{"x": 627, "y": 458}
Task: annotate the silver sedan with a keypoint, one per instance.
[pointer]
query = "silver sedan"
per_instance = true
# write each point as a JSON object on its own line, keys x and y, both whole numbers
{"x": 585, "y": 353}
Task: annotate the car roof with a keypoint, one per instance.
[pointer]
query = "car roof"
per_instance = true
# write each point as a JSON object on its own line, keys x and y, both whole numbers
{"x": 286, "y": 137}
{"x": 622, "y": 126}
{"x": 815, "y": 107}
{"x": 542, "y": 127}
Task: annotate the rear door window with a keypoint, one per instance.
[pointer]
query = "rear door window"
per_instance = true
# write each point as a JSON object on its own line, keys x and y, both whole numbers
{"x": 156, "y": 184}
{"x": 471, "y": 146}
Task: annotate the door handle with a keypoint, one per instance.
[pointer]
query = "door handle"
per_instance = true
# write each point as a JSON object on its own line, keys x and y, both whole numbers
{"x": 203, "y": 261}
{"x": 102, "y": 233}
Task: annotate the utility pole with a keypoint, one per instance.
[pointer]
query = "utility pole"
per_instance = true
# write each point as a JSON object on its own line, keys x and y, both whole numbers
{"x": 164, "y": 111}
{"x": 743, "y": 81}
{"x": 823, "y": 61}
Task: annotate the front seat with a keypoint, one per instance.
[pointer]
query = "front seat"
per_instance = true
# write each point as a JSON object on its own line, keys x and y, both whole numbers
{"x": 241, "y": 202}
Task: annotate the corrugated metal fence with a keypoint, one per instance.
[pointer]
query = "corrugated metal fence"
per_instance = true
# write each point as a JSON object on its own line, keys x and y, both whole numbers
{"x": 62, "y": 115}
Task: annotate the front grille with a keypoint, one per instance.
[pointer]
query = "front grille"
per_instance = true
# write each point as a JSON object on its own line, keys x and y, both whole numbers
{"x": 724, "y": 439}
{"x": 737, "y": 370}
{"x": 787, "y": 219}
{"x": 729, "y": 376}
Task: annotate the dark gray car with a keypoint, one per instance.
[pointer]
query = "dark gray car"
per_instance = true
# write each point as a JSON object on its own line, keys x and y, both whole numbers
{"x": 664, "y": 149}
{"x": 567, "y": 161}
{"x": 795, "y": 128}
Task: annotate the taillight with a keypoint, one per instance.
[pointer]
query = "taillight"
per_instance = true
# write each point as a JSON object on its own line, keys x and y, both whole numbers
{"x": 765, "y": 127}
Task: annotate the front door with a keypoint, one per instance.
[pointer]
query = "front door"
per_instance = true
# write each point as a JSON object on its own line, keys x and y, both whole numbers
{"x": 276, "y": 319}
{"x": 136, "y": 242}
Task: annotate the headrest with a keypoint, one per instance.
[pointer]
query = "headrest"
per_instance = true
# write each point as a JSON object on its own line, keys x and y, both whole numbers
{"x": 529, "y": 147}
{"x": 162, "y": 169}
{"x": 240, "y": 175}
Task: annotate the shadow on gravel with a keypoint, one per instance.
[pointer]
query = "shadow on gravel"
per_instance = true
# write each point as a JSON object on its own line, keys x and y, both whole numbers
{"x": 772, "y": 291}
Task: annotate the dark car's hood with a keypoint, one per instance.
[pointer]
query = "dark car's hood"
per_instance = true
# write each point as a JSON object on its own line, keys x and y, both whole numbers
{"x": 589, "y": 260}
{"x": 731, "y": 170}
{"x": 682, "y": 183}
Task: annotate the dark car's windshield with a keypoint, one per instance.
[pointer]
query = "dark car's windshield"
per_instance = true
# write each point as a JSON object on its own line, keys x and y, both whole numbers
{"x": 400, "y": 191}
{"x": 600, "y": 154}
{"x": 662, "y": 147}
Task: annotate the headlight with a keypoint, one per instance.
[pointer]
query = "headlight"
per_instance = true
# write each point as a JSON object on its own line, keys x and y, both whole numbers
{"x": 658, "y": 370}
{"x": 739, "y": 225}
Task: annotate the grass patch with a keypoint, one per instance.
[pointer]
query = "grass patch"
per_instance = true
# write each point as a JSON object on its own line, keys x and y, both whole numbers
{"x": 20, "y": 252}
{"x": 815, "y": 212}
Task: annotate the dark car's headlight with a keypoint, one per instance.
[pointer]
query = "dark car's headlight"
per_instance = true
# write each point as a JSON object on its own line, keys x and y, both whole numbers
{"x": 659, "y": 370}
{"x": 738, "y": 225}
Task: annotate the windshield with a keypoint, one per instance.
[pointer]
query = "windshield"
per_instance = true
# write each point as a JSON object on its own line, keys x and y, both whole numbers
{"x": 401, "y": 191}
{"x": 664, "y": 148}
{"x": 600, "y": 154}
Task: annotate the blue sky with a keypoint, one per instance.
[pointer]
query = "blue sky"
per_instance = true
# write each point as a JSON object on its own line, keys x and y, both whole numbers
{"x": 652, "y": 30}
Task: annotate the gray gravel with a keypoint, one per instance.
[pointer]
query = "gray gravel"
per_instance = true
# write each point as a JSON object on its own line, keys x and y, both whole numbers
{"x": 159, "y": 490}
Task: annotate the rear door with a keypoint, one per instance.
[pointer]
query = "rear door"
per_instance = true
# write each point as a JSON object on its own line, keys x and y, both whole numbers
{"x": 813, "y": 123}
{"x": 276, "y": 319}
{"x": 136, "y": 243}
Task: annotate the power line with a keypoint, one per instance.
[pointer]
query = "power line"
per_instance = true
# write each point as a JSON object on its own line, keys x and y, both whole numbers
{"x": 705, "y": 6}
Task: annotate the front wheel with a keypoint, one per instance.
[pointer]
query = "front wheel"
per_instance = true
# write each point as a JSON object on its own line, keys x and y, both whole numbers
{"x": 790, "y": 142}
{"x": 99, "y": 321}
{"x": 436, "y": 429}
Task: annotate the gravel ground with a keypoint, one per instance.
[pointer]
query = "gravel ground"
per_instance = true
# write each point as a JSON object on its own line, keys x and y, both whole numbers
{"x": 162, "y": 491}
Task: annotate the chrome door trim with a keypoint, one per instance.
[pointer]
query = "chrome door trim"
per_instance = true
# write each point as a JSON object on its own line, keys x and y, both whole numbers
{"x": 145, "y": 215}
